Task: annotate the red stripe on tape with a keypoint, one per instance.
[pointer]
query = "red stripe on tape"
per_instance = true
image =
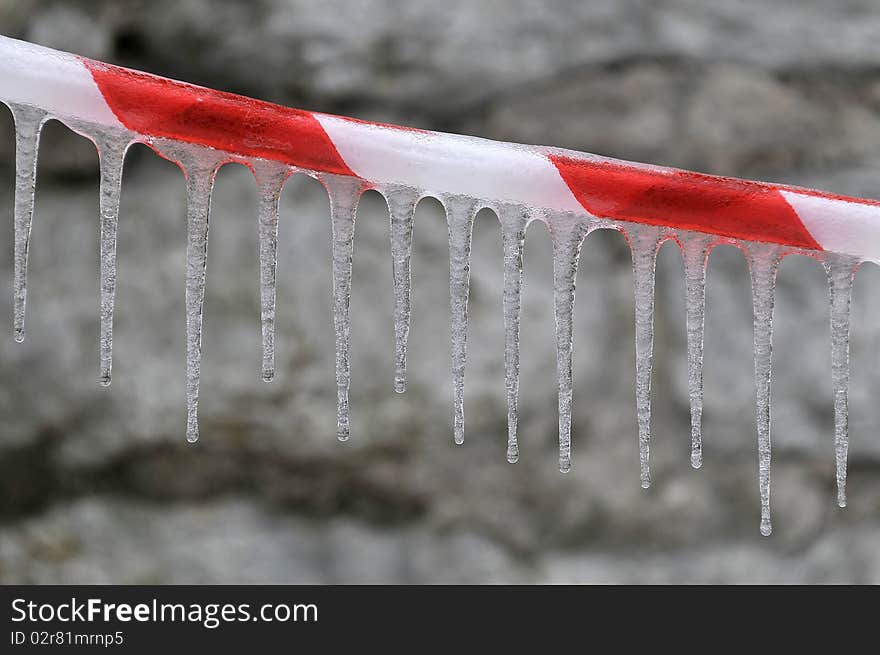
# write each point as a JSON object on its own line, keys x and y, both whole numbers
{"x": 159, "y": 107}
{"x": 693, "y": 201}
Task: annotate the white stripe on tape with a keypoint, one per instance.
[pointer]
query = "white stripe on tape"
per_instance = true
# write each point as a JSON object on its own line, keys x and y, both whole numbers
{"x": 449, "y": 163}
{"x": 838, "y": 225}
{"x": 51, "y": 80}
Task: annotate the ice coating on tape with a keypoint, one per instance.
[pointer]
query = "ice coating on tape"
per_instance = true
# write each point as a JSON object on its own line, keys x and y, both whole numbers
{"x": 68, "y": 86}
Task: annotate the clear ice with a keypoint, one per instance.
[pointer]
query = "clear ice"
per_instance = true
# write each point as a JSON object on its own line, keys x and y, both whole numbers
{"x": 695, "y": 252}
{"x": 644, "y": 241}
{"x": 460, "y": 213}
{"x": 763, "y": 264}
{"x": 344, "y": 193}
{"x": 514, "y": 220}
{"x": 401, "y": 207}
{"x": 199, "y": 184}
{"x": 28, "y": 124}
{"x": 567, "y": 231}
{"x": 840, "y": 270}
{"x": 111, "y": 152}
{"x": 270, "y": 178}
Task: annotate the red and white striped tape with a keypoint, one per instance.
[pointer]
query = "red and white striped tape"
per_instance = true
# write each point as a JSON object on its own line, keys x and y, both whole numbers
{"x": 69, "y": 86}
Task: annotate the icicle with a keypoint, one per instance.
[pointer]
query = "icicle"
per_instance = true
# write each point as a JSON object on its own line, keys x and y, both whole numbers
{"x": 840, "y": 270}
{"x": 111, "y": 151}
{"x": 763, "y": 264}
{"x": 460, "y": 213}
{"x": 344, "y": 194}
{"x": 568, "y": 234}
{"x": 270, "y": 178}
{"x": 199, "y": 184}
{"x": 514, "y": 220}
{"x": 695, "y": 251}
{"x": 644, "y": 241}
{"x": 401, "y": 206}
{"x": 28, "y": 123}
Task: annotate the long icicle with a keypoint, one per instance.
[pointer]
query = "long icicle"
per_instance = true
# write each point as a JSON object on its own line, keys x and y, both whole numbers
{"x": 514, "y": 220}
{"x": 111, "y": 152}
{"x": 644, "y": 241}
{"x": 567, "y": 233}
{"x": 460, "y": 213}
{"x": 270, "y": 178}
{"x": 28, "y": 124}
{"x": 199, "y": 184}
{"x": 840, "y": 270}
{"x": 401, "y": 207}
{"x": 695, "y": 251}
{"x": 344, "y": 193}
{"x": 763, "y": 264}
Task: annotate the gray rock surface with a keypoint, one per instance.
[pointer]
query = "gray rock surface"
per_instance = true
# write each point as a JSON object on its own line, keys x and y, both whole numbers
{"x": 98, "y": 485}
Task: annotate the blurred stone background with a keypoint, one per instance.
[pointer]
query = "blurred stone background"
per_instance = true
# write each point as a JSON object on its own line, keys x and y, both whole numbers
{"x": 98, "y": 485}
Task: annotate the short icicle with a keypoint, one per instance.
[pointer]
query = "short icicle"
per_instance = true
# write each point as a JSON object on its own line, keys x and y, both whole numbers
{"x": 344, "y": 193}
{"x": 695, "y": 251}
{"x": 644, "y": 241}
{"x": 514, "y": 220}
{"x": 111, "y": 152}
{"x": 401, "y": 206}
{"x": 199, "y": 184}
{"x": 28, "y": 124}
{"x": 763, "y": 265}
{"x": 568, "y": 233}
{"x": 270, "y": 178}
{"x": 840, "y": 270}
{"x": 460, "y": 213}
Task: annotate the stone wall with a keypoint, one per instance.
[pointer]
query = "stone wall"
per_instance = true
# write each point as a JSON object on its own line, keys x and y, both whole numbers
{"x": 98, "y": 485}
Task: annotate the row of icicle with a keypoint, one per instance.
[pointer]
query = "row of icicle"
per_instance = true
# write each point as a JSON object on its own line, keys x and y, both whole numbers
{"x": 567, "y": 230}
